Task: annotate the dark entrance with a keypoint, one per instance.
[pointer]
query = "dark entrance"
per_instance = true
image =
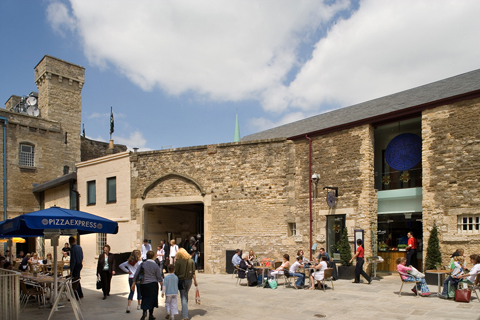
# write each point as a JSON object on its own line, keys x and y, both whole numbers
{"x": 179, "y": 222}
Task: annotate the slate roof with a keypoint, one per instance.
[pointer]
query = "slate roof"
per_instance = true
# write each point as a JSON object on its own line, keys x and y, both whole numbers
{"x": 440, "y": 90}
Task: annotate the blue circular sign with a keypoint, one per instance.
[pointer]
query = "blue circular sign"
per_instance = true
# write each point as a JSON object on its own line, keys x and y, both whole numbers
{"x": 404, "y": 151}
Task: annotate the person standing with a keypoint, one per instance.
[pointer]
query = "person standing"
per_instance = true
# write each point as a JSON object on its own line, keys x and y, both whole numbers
{"x": 173, "y": 251}
{"x": 106, "y": 268}
{"x": 145, "y": 248}
{"x": 66, "y": 248}
{"x": 411, "y": 250}
{"x": 185, "y": 270}
{"x": 166, "y": 249}
{"x": 360, "y": 261}
{"x": 76, "y": 264}
{"x": 170, "y": 291}
{"x": 148, "y": 285}
{"x": 130, "y": 266}
{"x": 160, "y": 257}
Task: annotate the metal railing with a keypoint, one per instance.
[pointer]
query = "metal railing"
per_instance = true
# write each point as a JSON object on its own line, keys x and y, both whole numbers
{"x": 9, "y": 294}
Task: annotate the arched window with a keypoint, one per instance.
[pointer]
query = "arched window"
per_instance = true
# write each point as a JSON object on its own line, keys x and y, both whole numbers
{"x": 26, "y": 156}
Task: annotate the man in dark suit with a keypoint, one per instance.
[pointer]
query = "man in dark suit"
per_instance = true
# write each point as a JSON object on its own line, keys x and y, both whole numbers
{"x": 76, "y": 264}
{"x": 166, "y": 248}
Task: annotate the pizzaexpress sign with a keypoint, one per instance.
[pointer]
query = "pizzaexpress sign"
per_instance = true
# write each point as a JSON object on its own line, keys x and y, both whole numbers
{"x": 72, "y": 223}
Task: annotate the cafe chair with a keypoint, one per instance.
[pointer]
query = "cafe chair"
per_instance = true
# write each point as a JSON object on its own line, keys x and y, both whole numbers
{"x": 475, "y": 286}
{"x": 287, "y": 278}
{"x": 327, "y": 276}
{"x": 239, "y": 280}
{"x": 35, "y": 291}
{"x": 411, "y": 282}
{"x": 59, "y": 268}
{"x": 235, "y": 271}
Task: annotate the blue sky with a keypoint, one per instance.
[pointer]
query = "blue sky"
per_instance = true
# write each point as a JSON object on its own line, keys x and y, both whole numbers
{"x": 176, "y": 72}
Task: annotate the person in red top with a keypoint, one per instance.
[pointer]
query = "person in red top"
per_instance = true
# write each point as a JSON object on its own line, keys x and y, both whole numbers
{"x": 359, "y": 267}
{"x": 411, "y": 250}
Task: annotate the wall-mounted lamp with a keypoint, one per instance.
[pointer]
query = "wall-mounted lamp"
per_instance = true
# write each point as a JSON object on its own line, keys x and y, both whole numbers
{"x": 315, "y": 177}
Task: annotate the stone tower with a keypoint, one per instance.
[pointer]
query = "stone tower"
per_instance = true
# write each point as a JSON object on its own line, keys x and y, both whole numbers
{"x": 59, "y": 86}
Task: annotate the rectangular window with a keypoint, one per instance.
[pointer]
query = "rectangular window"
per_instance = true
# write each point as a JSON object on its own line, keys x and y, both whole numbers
{"x": 111, "y": 189}
{"x": 292, "y": 229}
{"x": 91, "y": 198}
{"x": 26, "y": 156}
{"x": 469, "y": 224}
{"x": 101, "y": 241}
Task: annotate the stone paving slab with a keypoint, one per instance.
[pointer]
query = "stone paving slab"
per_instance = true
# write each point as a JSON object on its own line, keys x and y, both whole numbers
{"x": 222, "y": 299}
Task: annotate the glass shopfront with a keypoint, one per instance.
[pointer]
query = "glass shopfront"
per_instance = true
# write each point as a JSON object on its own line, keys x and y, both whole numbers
{"x": 392, "y": 237}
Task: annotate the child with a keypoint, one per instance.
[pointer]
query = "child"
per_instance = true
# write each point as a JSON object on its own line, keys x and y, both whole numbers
{"x": 451, "y": 283}
{"x": 170, "y": 290}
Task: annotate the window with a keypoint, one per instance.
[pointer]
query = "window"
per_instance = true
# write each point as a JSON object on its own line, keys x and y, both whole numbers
{"x": 26, "y": 155}
{"x": 66, "y": 169}
{"x": 292, "y": 229}
{"x": 469, "y": 224}
{"x": 101, "y": 241}
{"x": 111, "y": 189}
{"x": 91, "y": 198}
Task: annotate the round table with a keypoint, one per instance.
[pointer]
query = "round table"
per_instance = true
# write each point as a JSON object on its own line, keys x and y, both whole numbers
{"x": 439, "y": 273}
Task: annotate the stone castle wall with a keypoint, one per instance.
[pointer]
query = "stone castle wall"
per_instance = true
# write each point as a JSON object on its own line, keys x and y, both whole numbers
{"x": 451, "y": 173}
{"x": 91, "y": 149}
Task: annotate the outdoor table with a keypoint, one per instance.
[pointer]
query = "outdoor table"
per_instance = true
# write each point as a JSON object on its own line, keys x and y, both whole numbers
{"x": 263, "y": 268}
{"x": 439, "y": 273}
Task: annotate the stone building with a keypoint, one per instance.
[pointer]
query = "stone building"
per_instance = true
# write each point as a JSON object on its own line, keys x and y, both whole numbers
{"x": 391, "y": 165}
{"x": 41, "y": 141}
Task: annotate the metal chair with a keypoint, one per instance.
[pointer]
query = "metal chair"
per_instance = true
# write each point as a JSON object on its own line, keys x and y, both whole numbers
{"x": 235, "y": 271}
{"x": 475, "y": 286}
{"x": 240, "y": 279}
{"x": 35, "y": 291}
{"x": 327, "y": 276}
{"x": 403, "y": 281}
{"x": 287, "y": 278}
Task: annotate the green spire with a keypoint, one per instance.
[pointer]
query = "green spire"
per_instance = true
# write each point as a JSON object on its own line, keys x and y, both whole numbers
{"x": 236, "y": 137}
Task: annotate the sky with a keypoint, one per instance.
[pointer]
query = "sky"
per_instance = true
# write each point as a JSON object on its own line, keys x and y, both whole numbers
{"x": 177, "y": 72}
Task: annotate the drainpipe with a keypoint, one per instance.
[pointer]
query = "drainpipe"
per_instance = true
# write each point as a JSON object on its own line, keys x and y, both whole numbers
{"x": 4, "y": 167}
{"x": 310, "y": 189}
{"x": 5, "y": 173}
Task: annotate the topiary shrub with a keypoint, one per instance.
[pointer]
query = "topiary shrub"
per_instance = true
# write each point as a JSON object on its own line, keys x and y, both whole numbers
{"x": 344, "y": 249}
{"x": 434, "y": 256}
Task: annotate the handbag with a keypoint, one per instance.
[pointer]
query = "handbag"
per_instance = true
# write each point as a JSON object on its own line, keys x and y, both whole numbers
{"x": 141, "y": 275}
{"x": 197, "y": 296}
{"x": 463, "y": 295}
{"x": 99, "y": 283}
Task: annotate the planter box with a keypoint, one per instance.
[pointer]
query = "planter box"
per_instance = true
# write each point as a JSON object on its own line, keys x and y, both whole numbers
{"x": 432, "y": 279}
{"x": 346, "y": 273}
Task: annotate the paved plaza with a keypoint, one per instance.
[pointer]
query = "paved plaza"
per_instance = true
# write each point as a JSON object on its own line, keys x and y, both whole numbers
{"x": 221, "y": 299}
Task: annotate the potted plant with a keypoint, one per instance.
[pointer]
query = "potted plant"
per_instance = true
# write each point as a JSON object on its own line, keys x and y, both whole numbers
{"x": 434, "y": 257}
{"x": 346, "y": 270}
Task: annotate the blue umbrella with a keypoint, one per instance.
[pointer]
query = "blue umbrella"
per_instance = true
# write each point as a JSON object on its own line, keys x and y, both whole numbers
{"x": 34, "y": 223}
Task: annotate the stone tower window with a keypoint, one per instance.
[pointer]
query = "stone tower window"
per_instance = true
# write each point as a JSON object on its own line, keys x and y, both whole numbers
{"x": 469, "y": 224}
{"x": 292, "y": 229}
{"x": 26, "y": 156}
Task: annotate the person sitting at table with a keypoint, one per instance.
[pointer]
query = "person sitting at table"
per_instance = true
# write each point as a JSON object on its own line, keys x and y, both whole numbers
{"x": 244, "y": 266}
{"x": 251, "y": 256}
{"x": 2, "y": 262}
{"x": 34, "y": 259}
{"x": 451, "y": 283}
{"x": 24, "y": 264}
{"x": 279, "y": 270}
{"x": 322, "y": 252}
{"x": 8, "y": 265}
{"x": 301, "y": 254}
{"x": 236, "y": 258}
{"x": 300, "y": 283}
{"x": 66, "y": 260}
{"x": 458, "y": 253}
{"x": 319, "y": 273}
{"x": 469, "y": 277}
{"x": 403, "y": 270}
{"x": 20, "y": 255}
{"x": 66, "y": 248}
{"x": 49, "y": 258}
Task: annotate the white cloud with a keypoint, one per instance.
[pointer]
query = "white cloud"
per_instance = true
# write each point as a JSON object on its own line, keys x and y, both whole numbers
{"x": 386, "y": 47}
{"x": 135, "y": 140}
{"x": 59, "y": 18}
{"x": 224, "y": 50}
{"x": 240, "y": 50}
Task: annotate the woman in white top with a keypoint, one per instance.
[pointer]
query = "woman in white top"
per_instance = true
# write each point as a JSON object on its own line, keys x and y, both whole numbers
{"x": 173, "y": 251}
{"x": 284, "y": 265}
{"x": 319, "y": 272}
{"x": 130, "y": 266}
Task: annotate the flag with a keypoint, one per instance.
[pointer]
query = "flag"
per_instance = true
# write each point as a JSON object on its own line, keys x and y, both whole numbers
{"x": 84, "y": 130}
{"x": 112, "y": 125}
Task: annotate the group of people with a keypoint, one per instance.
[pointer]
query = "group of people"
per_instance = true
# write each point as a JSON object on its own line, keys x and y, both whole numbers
{"x": 146, "y": 276}
{"x": 317, "y": 267}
